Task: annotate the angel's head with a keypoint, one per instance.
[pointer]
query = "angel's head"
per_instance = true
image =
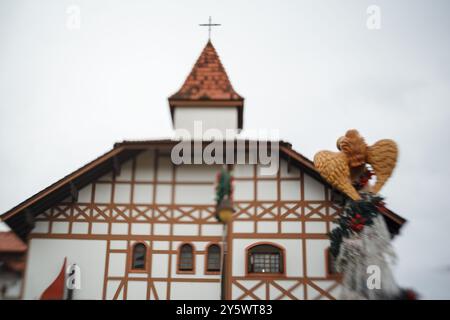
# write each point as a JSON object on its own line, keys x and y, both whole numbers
{"x": 354, "y": 147}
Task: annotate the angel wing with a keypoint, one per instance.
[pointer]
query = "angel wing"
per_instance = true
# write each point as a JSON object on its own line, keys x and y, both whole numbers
{"x": 382, "y": 156}
{"x": 333, "y": 167}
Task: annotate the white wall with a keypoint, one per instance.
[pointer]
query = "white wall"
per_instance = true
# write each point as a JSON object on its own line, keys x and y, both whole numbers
{"x": 220, "y": 118}
{"x": 195, "y": 291}
{"x": 45, "y": 259}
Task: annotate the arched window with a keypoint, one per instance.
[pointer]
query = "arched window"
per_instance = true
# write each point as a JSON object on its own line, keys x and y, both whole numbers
{"x": 213, "y": 258}
{"x": 265, "y": 258}
{"x": 139, "y": 256}
{"x": 186, "y": 258}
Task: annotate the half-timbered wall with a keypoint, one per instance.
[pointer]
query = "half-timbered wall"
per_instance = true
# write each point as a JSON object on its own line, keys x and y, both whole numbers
{"x": 163, "y": 206}
{"x": 293, "y": 211}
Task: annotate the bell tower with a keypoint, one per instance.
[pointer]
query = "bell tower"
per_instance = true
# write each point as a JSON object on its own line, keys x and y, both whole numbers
{"x": 207, "y": 97}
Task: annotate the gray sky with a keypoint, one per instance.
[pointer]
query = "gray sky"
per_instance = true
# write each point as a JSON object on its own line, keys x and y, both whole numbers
{"x": 309, "y": 68}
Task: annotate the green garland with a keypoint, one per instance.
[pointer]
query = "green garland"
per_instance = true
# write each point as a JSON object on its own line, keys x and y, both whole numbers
{"x": 223, "y": 188}
{"x": 356, "y": 215}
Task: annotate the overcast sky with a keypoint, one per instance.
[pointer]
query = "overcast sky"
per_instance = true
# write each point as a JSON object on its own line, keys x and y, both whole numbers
{"x": 311, "y": 69}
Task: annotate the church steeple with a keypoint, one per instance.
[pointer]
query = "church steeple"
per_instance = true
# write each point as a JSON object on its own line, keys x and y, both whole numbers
{"x": 207, "y": 88}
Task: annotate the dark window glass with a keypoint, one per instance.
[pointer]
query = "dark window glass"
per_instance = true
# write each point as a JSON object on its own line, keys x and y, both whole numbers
{"x": 265, "y": 258}
{"x": 139, "y": 254}
{"x": 186, "y": 258}
{"x": 213, "y": 258}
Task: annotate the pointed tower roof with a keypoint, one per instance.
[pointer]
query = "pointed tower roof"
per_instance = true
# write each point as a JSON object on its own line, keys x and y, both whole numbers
{"x": 208, "y": 85}
{"x": 207, "y": 80}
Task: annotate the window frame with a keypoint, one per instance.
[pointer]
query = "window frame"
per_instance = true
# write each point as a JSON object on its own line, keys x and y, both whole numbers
{"x": 131, "y": 267}
{"x": 282, "y": 251}
{"x": 207, "y": 255}
{"x": 192, "y": 271}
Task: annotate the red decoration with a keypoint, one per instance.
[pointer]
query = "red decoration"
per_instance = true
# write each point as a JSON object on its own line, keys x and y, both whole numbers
{"x": 55, "y": 290}
{"x": 411, "y": 295}
{"x": 366, "y": 176}
{"x": 357, "y": 223}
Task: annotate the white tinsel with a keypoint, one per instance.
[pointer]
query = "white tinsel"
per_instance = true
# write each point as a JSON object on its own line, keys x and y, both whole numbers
{"x": 371, "y": 246}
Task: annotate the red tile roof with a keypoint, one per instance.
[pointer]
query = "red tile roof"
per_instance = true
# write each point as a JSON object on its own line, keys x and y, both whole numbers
{"x": 207, "y": 80}
{"x": 15, "y": 265}
{"x": 10, "y": 243}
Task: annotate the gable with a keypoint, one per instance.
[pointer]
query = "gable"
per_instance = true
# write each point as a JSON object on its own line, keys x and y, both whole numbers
{"x": 140, "y": 173}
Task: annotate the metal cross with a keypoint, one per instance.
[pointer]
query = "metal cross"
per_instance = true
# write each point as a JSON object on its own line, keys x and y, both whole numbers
{"x": 209, "y": 25}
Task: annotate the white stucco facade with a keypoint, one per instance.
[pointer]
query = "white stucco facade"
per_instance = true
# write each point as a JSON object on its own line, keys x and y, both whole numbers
{"x": 164, "y": 206}
{"x": 219, "y": 119}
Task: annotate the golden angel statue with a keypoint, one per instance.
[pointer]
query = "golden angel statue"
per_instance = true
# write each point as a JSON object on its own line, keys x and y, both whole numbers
{"x": 342, "y": 169}
{"x": 361, "y": 242}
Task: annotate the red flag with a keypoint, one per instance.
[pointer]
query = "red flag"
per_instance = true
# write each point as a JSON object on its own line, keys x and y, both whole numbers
{"x": 55, "y": 290}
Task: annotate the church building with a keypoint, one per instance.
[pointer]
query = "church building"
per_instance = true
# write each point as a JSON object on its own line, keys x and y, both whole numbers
{"x": 132, "y": 224}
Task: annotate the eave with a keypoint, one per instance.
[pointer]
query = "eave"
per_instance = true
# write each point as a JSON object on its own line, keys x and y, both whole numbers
{"x": 20, "y": 217}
